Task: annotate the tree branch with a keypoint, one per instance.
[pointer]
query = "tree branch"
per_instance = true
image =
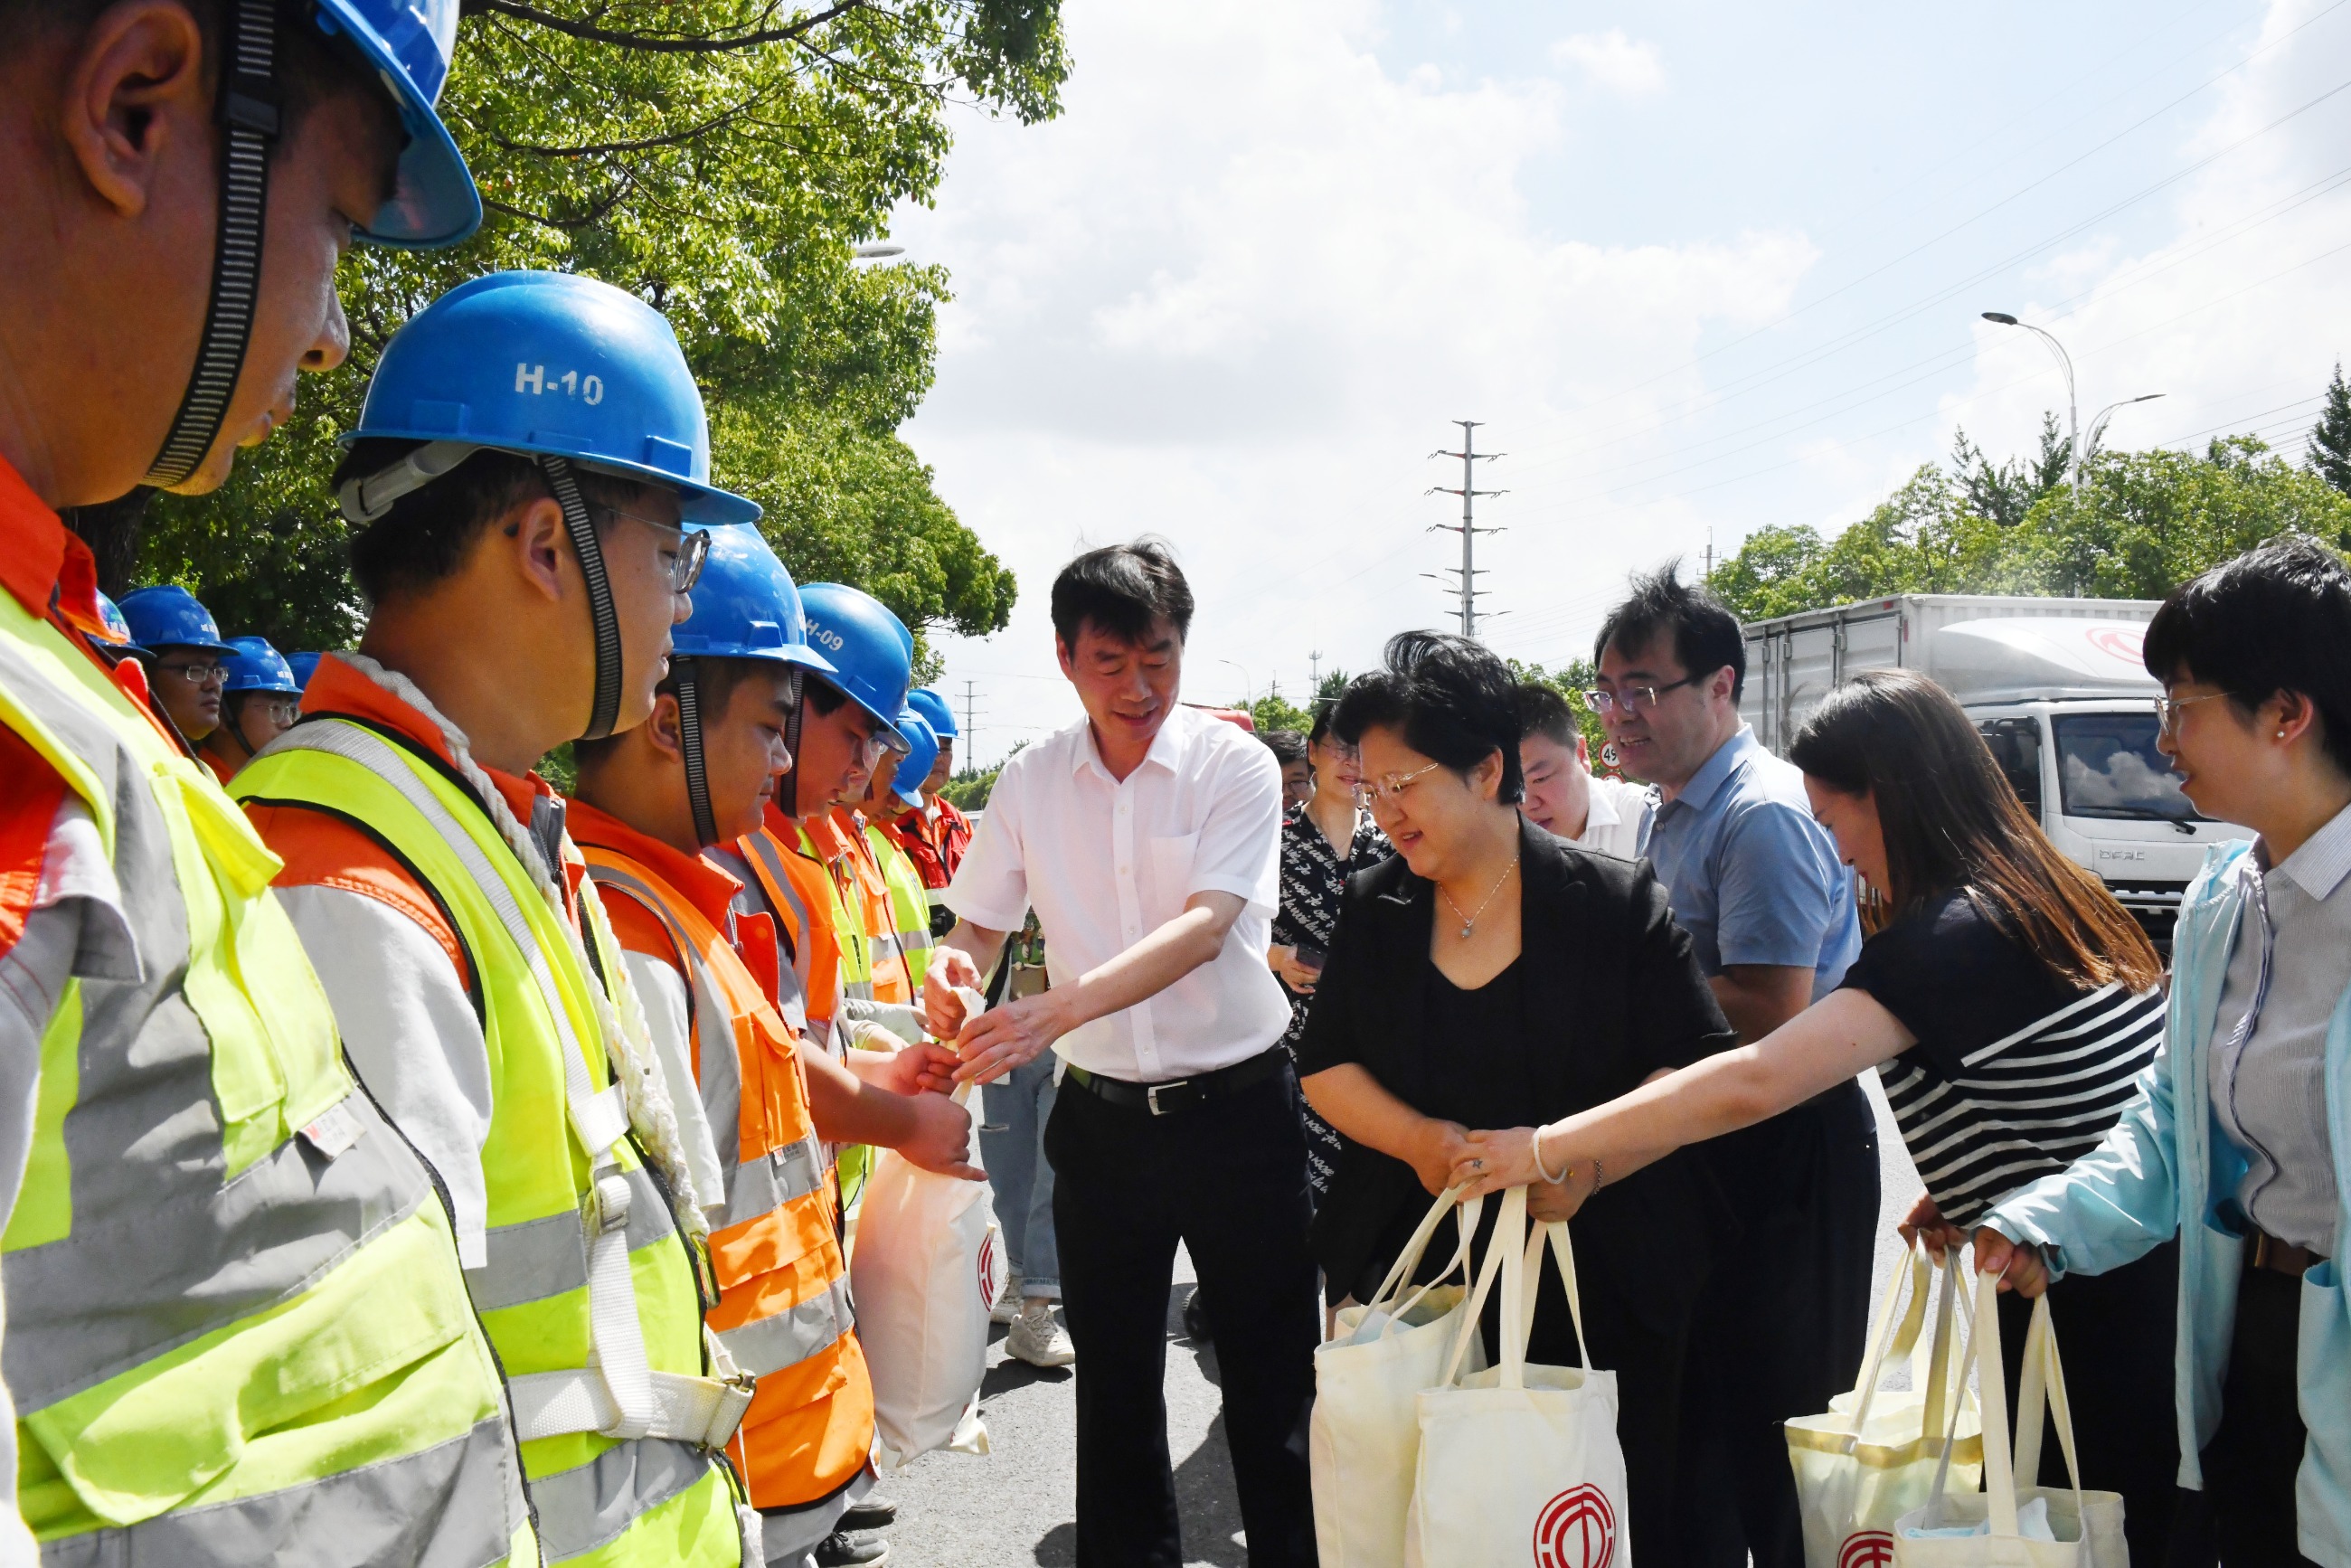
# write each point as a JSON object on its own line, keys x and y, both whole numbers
{"x": 653, "y": 43}
{"x": 602, "y": 149}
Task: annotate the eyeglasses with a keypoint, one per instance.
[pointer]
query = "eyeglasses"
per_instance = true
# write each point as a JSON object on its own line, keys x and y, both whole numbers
{"x": 873, "y": 748}
{"x": 693, "y": 547}
{"x": 1633, "y": 700}
{"x": 196, "y": 675}
{"x": 2167, "y": 710}
{"x": 1389, "y": 789}
{"x": 283, "y": 713}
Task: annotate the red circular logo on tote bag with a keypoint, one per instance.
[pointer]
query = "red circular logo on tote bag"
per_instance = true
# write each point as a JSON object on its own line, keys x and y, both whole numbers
{"x": 988, "y": 1268}
{"x": 1866, "y": 1549}
{"x": 1577, "y": 1529}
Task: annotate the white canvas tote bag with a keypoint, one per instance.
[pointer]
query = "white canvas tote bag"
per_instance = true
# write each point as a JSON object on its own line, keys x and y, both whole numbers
{"x": 928, "y": 1265}
{"x": 2074, "y": 1528}
{"x": 1519, "y": 1465}
{"x": 1877, "y": 1452}
{"x": 1365, "y": 1435}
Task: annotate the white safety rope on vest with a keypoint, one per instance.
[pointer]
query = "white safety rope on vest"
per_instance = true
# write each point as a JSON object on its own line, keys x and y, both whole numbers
{"x": 618, "y": 1396}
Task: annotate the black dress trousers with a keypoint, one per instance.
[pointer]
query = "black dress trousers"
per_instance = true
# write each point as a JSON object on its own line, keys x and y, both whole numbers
{"x": 1227, "y": 1179}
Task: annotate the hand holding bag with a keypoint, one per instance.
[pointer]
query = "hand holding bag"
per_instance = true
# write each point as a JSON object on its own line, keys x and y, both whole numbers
{"x": 1365, "y": 1435}
{"x": 1877, "y": 1453}
{"x": 1518, "y": 1465}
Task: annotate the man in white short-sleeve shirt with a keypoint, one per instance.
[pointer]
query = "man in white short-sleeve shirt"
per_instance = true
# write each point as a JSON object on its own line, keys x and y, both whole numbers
{"x": 1563, "y": 796}
{"x": 1147, "y": 840}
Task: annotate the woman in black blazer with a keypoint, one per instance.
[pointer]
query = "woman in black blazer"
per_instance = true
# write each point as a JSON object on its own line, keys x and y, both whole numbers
{"x": 1491, "y": 976}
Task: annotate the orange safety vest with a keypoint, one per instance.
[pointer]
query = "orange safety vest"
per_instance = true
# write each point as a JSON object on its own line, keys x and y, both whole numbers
{"x": 893, "y": 981}
{"x": 805, "y": 898}
{"x": 783, "y": 1309}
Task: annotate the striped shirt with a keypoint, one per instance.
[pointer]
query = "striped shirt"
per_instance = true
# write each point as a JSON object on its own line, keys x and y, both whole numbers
{"x": 2016, "y": 1073}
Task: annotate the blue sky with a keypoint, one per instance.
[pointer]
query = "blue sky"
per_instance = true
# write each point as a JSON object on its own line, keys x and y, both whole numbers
{"x": 1700, "y": 267}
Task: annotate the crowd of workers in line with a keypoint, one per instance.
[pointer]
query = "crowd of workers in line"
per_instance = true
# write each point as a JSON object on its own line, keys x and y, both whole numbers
{"x": 406, "y": 1162}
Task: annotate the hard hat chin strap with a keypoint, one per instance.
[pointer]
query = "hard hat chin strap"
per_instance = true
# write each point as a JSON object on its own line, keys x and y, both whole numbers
{"x": 787, "y": 788}
{"x": 606, "y": 708}
{"x": 249, "y": 119}
{"x": 689, "y": 740}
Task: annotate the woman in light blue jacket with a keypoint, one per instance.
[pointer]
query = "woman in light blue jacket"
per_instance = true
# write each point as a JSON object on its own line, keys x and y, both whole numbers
{"x": 2240, "y": 1141}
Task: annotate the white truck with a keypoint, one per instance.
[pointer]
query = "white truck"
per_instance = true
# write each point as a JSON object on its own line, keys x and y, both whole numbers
{"x": 2057, "y": 688}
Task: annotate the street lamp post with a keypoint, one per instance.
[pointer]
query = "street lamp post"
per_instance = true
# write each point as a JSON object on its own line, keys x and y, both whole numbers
{"x": 2073, "y": 423}
{"x": 1248, "y": 686}
{"x": 2098, "y": 425}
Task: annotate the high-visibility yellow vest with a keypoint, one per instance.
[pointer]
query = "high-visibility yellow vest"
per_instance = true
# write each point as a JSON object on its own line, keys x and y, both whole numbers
{"x": 867, "y": 897}
{"x": 783, "y": 1311}
{"x": 588, "y": 1291}
{"x": 237, "y": 1326}
{"x": 909, "y": 906}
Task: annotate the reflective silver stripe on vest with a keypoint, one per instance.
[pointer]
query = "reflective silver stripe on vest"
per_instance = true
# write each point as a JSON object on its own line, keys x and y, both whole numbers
{"x": 585, "y": 1507}
{"x": 790, "y": 1337}
{"x": 444, "y": 1508}
{"x": 545, "y": 1257}
{"x": 165, "y": 1249}
{"x": 765, "y": 1184}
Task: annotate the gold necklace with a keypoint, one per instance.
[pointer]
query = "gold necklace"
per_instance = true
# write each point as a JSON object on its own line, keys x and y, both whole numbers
{"x": 1469, "y": 921}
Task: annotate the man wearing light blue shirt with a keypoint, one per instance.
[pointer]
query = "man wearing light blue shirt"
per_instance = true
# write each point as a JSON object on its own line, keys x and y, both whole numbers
{"x": 1770, "y": 909}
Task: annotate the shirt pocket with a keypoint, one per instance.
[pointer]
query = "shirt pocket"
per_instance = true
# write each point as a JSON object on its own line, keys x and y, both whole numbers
{"x": 1170, "y": 860}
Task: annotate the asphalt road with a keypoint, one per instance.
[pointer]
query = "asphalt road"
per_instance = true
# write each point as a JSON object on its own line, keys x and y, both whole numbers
{"x": 1014, "y": 1507}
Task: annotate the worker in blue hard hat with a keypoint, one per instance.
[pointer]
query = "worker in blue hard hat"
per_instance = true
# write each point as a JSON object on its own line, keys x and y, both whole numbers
{"x": 929, "y": 827}
{"x": 112, "y": 629}
{"x": 653, "y": 804}
{"x": 259, "y": 702}
{"x": 529, "y": 485}
{"x": 304, "y": 664}
{"x": 237, "y": 1326}
{"x": 180, "y": 645}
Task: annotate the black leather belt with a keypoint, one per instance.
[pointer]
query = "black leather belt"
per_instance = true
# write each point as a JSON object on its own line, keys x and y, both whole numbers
{"x": 1181, "y": 1094}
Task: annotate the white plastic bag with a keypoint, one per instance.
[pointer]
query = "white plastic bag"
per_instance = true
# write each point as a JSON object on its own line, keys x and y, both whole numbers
{"x": 929, "y": 1263}
{"x": 1519, "y": 1465}
{"x": 2083, "y": 1529}
{"x": 1876, "y": 1453}
{"x": 1365, "y": 1435}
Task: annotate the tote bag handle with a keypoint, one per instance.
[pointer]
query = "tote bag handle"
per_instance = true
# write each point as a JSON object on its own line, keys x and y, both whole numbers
{"x": 1900, "y": 1337}
{"x": 1517, "y": 1257}
{"x": 2040, "y": 1380}
{"x": 1400, "y": 1273}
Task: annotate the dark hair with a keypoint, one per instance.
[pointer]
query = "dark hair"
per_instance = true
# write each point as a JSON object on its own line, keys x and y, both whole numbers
{"x": 1121, "y": 589}
{"x": 2276, "y": 619}
{"x": 423, "y": 538}
{"x": 1452, "y": 699}
{"x": 1286, "y": 745}
{"x": 1544, "y": 710}
{"x": 1952, "y": 823}
{"x": 714, "y": 681}
{"x": 1705, "y": 634}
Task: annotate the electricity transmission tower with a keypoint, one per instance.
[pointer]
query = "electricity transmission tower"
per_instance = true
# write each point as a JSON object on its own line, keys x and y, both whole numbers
{"x": 970, "y": 725}
{"x": 1467, "y": 571}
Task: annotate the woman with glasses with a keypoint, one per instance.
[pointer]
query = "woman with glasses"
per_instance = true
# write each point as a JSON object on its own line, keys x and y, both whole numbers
{"x": 1489, "y": 974}
{"x": 259, "y": 702}
{"x": 2239, "y": 1140}
{"x": 2010, "y": 1004}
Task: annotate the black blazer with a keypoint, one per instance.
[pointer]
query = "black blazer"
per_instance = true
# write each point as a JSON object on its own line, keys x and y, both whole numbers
{"x": 1610, "y": 979}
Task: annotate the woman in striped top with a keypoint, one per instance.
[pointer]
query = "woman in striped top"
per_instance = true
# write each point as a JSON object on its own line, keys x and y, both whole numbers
{"x": 2010, "y": 1003}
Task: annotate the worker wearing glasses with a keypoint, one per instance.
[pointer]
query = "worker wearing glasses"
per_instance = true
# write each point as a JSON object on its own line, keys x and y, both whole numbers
{"x": 179, "y": 643}
{"x": 259, "y": 702}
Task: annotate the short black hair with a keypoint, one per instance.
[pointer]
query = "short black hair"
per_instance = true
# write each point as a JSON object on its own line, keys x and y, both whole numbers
{"x": 1453, "y": 701}
{"x": 423, "y": 538}
{"x": 1543, "y": 711}
{"x": 1121, "y": 589}
{"x": 1286, "y": 745}
{"x": 2276, "y": 619}
{"x": 1705, "y": 634}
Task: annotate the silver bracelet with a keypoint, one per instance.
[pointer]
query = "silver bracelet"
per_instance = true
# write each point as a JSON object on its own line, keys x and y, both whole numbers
{"x": 1534, "y": 1151}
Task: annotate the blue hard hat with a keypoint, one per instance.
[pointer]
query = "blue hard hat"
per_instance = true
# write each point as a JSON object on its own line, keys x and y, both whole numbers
{"x": 872, "y": 651}
{"x": 109, "y": 615}
{"x": 746, "y": 606}
{"x": 255, "y": 666}
{"x": 304, "y": 666}
{"x": 543, "y": 364}
{"x": 408, "y": 44}
{"x": 170, "y": 617}
{"x": 908, "y": 783}
{"x": 935, "y": 709}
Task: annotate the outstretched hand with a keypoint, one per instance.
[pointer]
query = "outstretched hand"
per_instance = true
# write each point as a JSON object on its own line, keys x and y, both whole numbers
{"x": 947, "y": 992}
{"x": 941, "y": 1138}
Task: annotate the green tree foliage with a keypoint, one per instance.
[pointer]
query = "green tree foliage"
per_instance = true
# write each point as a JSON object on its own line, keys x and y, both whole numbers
{"x": 968, "y": 789}
{"x": 2142, "y": 523}
{"x": 1570, "y": 681}
{"x": 1273, "y": 711}
{"x": 2330, "y": 439}
{"x": 721, "y": 159}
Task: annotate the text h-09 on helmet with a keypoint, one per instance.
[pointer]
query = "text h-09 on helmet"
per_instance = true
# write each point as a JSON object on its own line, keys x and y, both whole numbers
{"x": 566, "y": 371}
{"x": 746, "y": 606}
{"x": 407, "y": 46}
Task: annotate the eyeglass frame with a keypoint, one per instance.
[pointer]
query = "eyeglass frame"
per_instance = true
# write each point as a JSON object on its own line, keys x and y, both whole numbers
{"x": 194, "y": 675}
{"x": 1392, "y": 787}
{"x": 2167, "y": 709}
{"x": 277, "y": 703}
{"x": 693, "y": 549}
{"x": 1601, "y": 700}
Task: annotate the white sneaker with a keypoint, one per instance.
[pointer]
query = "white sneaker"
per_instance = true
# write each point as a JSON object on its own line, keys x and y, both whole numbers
{"x": 1007, "y": 1301}
{"x": 1037, "y": 1339}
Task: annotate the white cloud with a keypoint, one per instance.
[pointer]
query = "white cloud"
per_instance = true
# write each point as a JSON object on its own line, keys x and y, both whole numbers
{"x": 1613, "y": 61}
{"x": 1233, "y": 295}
